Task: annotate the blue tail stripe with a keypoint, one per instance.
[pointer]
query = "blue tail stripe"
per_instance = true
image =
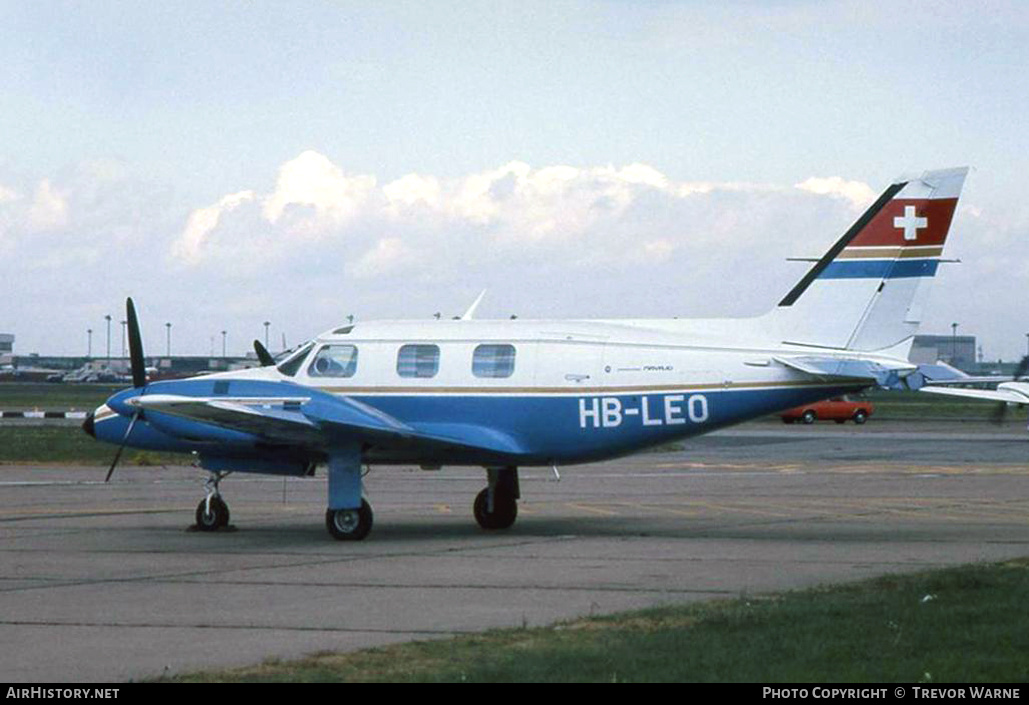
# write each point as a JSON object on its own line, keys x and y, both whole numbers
{"x": 880, "y": 269}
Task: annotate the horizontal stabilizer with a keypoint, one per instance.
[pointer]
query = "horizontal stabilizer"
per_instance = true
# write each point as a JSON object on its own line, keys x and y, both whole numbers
{"x": 941, "y": 374}
{"x": 884, "y": 374}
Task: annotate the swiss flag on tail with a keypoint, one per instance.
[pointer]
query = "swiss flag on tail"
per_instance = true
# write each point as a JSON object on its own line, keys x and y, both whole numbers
{"x": 908, "y": 222}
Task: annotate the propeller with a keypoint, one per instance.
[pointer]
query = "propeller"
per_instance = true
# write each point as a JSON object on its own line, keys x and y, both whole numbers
{"x": 135, "y": 346}
{"x": 263, "y": 356}
{"x": 138, "y": 376}
{"x": 117, "y": 456}
{"x": 1000, "y": 411}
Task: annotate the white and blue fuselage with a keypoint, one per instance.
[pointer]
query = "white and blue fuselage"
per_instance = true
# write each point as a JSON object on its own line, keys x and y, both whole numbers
{"x": 571, "y": 392}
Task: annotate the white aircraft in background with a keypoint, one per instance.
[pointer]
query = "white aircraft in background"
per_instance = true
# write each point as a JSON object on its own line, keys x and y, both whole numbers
{"x": 505, "y": 394}
{"x": 1009, "y": 391}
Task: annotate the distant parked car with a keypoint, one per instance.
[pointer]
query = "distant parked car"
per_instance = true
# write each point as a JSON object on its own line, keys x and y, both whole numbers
{"x": 838, "y": 409}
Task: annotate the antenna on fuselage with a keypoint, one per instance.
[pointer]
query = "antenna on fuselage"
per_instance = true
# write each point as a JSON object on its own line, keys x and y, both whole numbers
{"x": 470, "y": 313}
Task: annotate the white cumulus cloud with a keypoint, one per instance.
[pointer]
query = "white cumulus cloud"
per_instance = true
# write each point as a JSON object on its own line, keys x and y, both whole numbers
{"x": 314, "y": 182}
{"x": 389, "y": 255}
{"x": 577, "y": 216}
{"x": 49, "y": 209}
{"x": 189, "y": 246}
{"x": 859, "y": 194}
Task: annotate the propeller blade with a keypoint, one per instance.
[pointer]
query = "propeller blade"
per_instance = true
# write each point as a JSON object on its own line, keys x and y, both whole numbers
{"x": 135, "y": 348}
{"x": 263, "y": 355}
{"x": 117, "y": 456}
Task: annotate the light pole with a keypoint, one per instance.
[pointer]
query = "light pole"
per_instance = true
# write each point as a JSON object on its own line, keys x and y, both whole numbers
{"x": 168, "y": 330}
{"x": 123, "y": 324}
{"x": 266, "y": 324}
{"x": 108, "y": 319}
{"x": 223, "y": 344}
{"x": 89, "y": 342}
{"x": 953, "y": 343}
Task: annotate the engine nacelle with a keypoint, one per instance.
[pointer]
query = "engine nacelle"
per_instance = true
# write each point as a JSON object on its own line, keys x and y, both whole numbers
{"x": 268, "y": 463}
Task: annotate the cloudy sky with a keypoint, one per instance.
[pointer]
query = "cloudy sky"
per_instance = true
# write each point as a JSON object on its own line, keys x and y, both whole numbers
{"x": 229, "y": 163}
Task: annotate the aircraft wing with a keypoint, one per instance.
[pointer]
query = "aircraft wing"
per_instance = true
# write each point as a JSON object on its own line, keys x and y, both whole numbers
{"x": 319, "y": 421}
{"x": 1011, "y": 396}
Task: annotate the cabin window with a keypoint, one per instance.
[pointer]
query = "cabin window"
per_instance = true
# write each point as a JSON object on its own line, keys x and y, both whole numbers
{"x": 490, "y": 360}
{"x": 334, "y": 361}
{"x": 418, "y": 361}
{"x": 294, "y": 361}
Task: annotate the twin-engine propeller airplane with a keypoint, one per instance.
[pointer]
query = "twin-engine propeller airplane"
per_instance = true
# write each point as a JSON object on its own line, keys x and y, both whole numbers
{"x": 513, "y": 393}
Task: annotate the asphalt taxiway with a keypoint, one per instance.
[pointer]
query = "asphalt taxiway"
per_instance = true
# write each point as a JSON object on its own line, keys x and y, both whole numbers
{"x": 107, "y": 582}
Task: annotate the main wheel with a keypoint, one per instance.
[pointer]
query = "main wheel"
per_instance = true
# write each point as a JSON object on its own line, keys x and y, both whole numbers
{"x": 505, "y": 510}
{"x": 214, "y": 518}
{"x": 349, "y": 524}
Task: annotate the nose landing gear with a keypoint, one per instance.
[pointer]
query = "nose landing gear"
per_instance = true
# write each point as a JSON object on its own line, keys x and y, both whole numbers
{"x": 212, "y": 512}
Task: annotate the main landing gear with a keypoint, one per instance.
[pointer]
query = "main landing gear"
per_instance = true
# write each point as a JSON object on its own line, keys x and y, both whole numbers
{"x": 349, "y": 524}
{"x": 349, "y": 516}
{"x": 496, "y": 507}
{"x": 212, "y": 512}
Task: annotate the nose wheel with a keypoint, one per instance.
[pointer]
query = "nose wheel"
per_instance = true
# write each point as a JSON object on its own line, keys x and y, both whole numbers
{"x": 212, "y": 512}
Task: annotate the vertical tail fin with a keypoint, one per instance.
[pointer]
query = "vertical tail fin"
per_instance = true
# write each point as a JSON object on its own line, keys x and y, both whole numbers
{"x": 867, "y": 292}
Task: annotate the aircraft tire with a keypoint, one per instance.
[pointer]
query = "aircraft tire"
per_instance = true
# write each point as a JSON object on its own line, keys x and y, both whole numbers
{"x": 217, "y": 518}
{"x": 505, "y": 511}
{"x": 349, "y": 524}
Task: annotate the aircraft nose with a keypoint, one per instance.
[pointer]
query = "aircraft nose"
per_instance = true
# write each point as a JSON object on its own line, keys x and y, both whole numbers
{"x": 89, "y": 425}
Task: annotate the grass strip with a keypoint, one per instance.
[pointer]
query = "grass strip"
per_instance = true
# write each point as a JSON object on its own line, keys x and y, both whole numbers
{"x": 966, "y": 624}
{"x": 19, "y": 396}
{"x": 67, "y": 443}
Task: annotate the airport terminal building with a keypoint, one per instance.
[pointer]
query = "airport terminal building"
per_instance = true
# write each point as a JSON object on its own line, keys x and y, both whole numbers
{"x": 956, "y": 350}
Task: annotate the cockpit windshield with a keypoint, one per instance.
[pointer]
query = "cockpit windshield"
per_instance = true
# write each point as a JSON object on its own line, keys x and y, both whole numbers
{"x": 293, "y": 363}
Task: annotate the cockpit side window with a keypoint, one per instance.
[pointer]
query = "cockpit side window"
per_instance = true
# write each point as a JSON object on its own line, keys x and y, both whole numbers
{"x": 334, "y": 361}
{"x": 293, "y": 362}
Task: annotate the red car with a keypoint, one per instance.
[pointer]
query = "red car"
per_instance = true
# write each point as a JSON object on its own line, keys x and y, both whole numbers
{"x": 838, "y": 409}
